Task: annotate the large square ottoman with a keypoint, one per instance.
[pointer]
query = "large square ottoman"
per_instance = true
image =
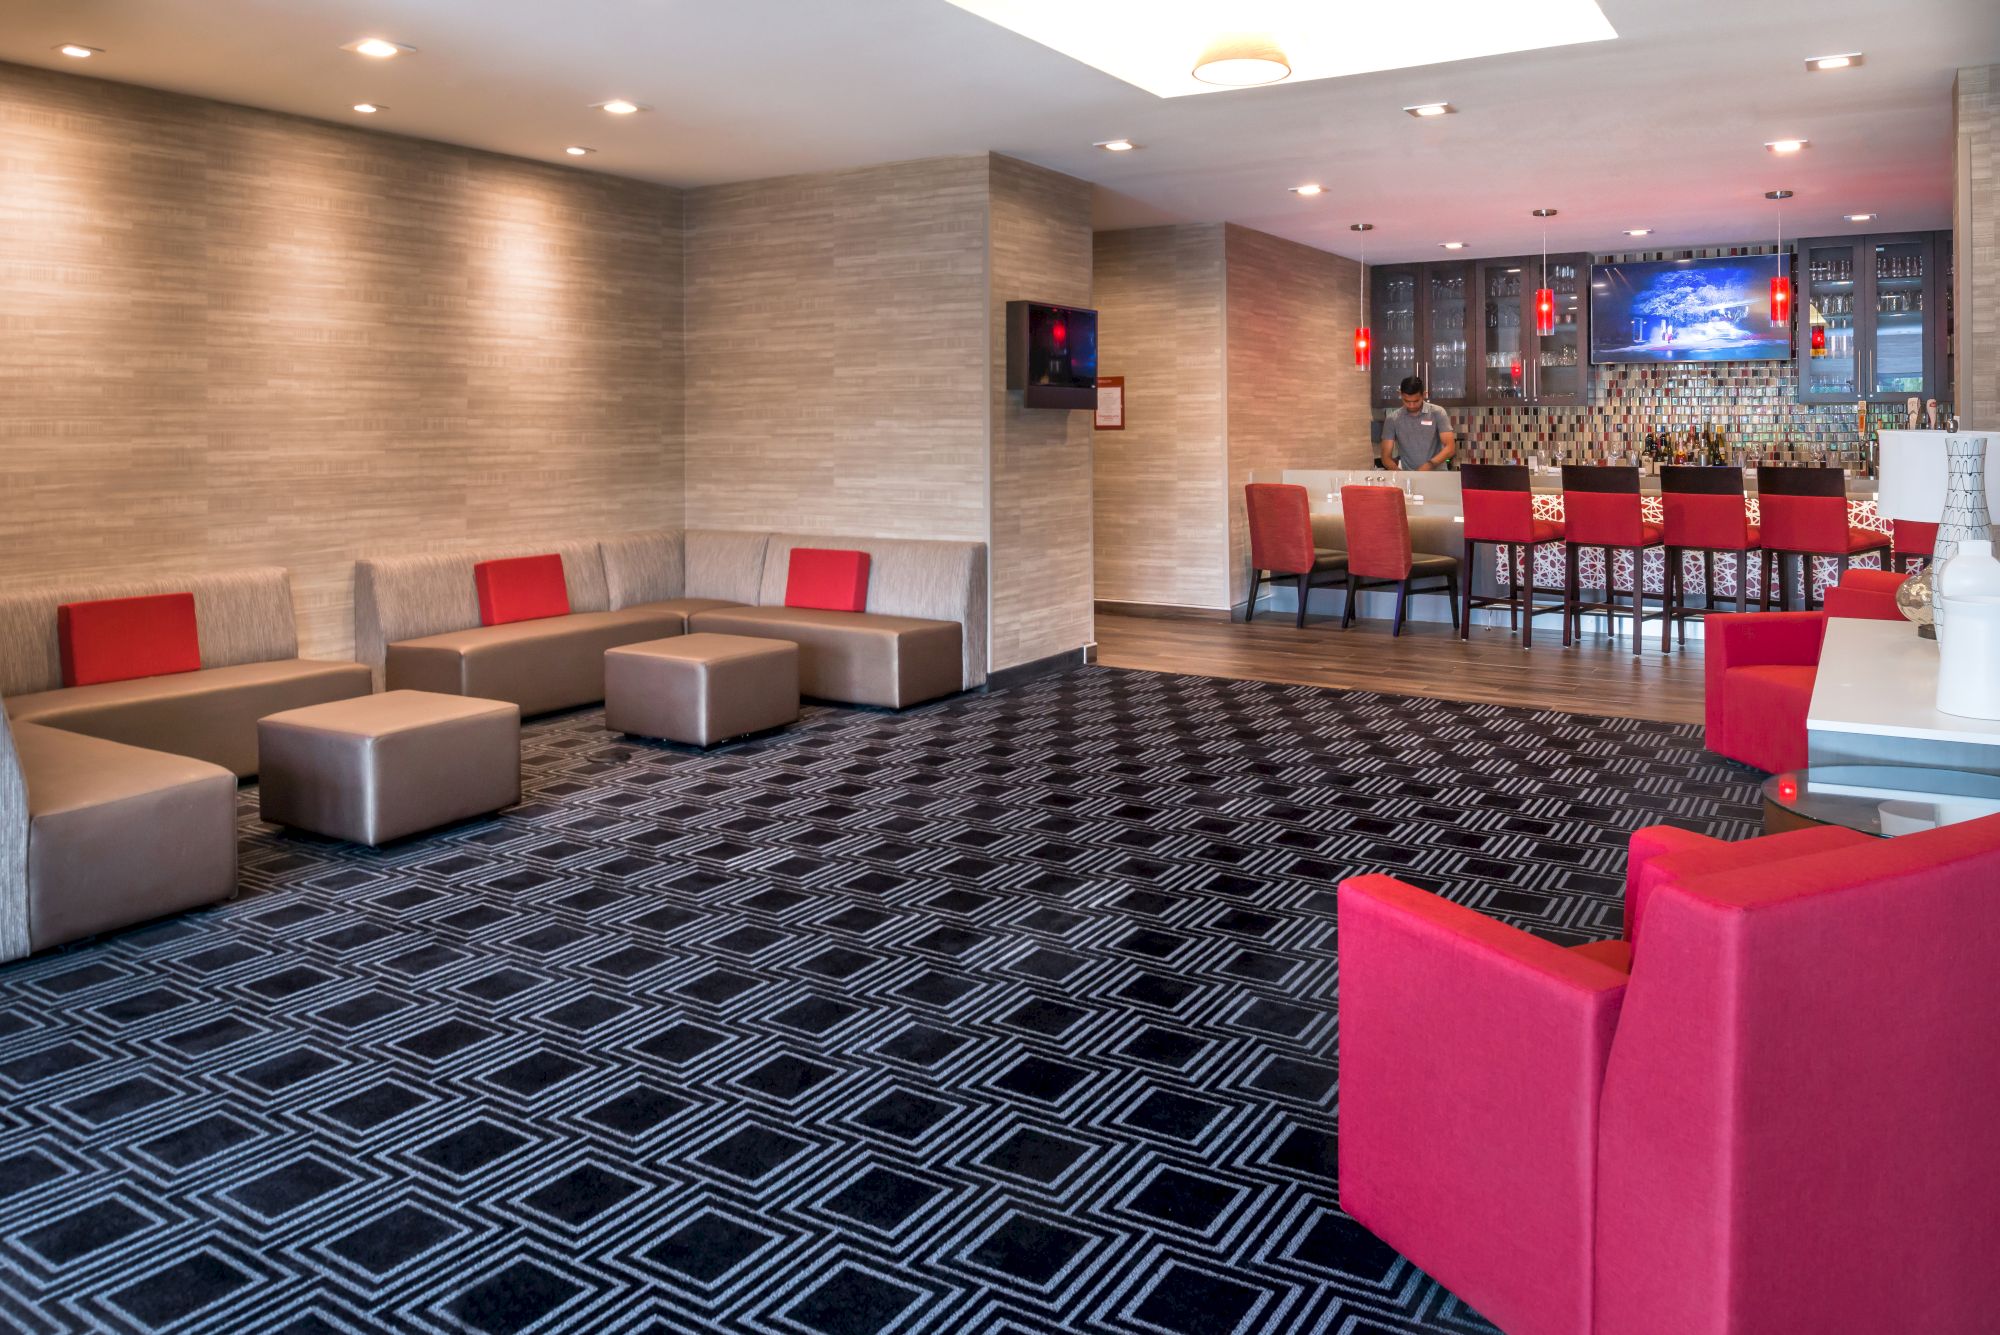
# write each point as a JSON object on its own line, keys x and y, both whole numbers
{"x": 379, "y": 767}
{"x": 701, "y": 689}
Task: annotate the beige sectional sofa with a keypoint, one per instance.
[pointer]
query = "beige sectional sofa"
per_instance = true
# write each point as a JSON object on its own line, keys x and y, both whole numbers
{"x": 923, "y": 634}
{"x": 250, "y": 667}
{"x": 118, "y": 801}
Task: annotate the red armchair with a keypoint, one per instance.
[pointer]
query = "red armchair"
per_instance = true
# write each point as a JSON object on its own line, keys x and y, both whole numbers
{"x": 1778, "y": 1118}
{"x": 1759, "y": 671}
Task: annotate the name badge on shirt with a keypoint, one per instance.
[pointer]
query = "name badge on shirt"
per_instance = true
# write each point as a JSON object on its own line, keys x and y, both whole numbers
{"x": 1424, "y": 422}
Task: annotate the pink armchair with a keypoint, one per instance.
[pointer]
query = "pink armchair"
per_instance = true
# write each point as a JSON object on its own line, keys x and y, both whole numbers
{"x": 1776, "y": 1115}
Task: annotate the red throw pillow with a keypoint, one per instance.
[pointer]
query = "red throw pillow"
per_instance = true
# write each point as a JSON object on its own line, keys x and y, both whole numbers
{"x": 521, "y": 588}
{"x": 119, "y": 639}
{"x": 828, "y": 580}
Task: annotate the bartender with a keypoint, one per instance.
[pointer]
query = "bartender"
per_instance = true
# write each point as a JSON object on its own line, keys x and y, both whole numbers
{"x": 1417, "y": 437}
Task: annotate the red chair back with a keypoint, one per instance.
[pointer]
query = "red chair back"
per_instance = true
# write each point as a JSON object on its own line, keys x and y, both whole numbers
{"x": 1703, "y": 507}
{"x": 1601, "y": 507}
{"x": 1378, "y": 532}
{"x": 1913, "y": 537}
{"x": 1499, "y": 503}
{"x": 1802, "y": 509}
{"x": 1281, "y": 529}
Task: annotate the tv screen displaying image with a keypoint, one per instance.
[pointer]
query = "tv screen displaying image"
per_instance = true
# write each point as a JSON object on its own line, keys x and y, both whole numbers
{"x": 1686, "y": 311}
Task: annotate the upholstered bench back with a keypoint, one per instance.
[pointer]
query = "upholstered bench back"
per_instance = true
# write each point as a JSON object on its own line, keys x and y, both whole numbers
{"x": 408, "y": 597}
{"x": 243, "y": 616}
{"x": 13, "y": 847}
{"x": 907, "y": 577}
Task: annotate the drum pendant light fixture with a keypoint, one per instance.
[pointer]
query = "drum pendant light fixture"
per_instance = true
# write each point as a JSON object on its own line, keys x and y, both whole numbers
{"x": 1545, "y": 297}
{"x": 1364, "y": 345}
{"x": 1242, "y": 60}
{"x": 1781, "y": 281}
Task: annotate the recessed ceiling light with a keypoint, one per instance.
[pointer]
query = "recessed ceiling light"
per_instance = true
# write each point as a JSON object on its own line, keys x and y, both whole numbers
{"x": 369, "y": 108}
{"x": 1638, "y": 231}
{"x": 1115, "y": 145}
{"x": 1858, "y": 217}
{"x": 1782, "y": 146}
{"x": 578, "y": 150}
{"x": 619, "y": 106}
{"x": 377, "y": 48}
{"x": 1426, "y": 110}
{"x": 1452, "y": 245}
{"x": 1243, "y": 62}
{"x": 1309, "y": 189}
{"x": 78, "y": 51}
{"x": 1845, "y": 61}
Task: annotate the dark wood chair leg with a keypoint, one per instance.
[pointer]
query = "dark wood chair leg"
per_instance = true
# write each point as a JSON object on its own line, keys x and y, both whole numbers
{"x": 1302, "y": 585}
{"x": 1764, "y": 578}
{"x": 1707, "y": 589}
{"x": 1451, "y": 586}
{"x": 1402, "y": 601}
{"x": 1353, "y": 592}
{"x": 1463, "y": 623}
{"x": 1569, "y": 595}
{"x": 1513, "y": 587}
{"x": 1638, "y": 598}
{"x": 1784, "y": 584}
{"x": 1256, "y": 581}
{"x": 1527, "y": 599}
{"x": 1673, "y": 596}
{"x": 1841, "y": 575}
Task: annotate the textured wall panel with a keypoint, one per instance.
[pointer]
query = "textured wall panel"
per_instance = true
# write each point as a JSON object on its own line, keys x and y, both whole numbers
{"x": 1161, "y": 510}
{"x": 1041, "y": 557}
{"x": 834, "y": 369}
{"x": 234, "y": 337}
{"x": 1976, "y": 246}
{"x": 1295, "y": 398}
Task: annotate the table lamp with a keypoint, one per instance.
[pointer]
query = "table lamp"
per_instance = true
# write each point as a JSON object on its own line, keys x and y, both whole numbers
{"x": 1936, "y": 477}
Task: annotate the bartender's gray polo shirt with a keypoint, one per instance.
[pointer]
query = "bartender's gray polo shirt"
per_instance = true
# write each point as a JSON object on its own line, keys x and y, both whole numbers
{"x": 1415, "y": 434}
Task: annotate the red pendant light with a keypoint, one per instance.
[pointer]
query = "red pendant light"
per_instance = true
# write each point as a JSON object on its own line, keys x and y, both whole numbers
{"x": 1819, "y": 340}
{"x": 1781, "y": 281}
{"x": 1545, "y": 296}
{"x": 1364, "y": 343}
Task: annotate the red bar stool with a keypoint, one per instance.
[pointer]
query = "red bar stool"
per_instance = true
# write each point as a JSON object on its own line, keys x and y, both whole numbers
{"x": 1379, "y": 554}
{"x": 1802, "y": 512}
{"x": 1911, "y": 541}
{"x": 1601, "y": 508}
{"x": 1704, "y": 512}
{"x": 1281, "y": 542}
{"x": 1500, "y": 510}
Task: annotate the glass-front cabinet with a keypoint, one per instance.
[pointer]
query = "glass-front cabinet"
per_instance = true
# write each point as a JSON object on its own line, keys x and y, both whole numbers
{"x": 1418, "y": 319}
{"x": 1872, "y": 320}
{"x": 1517, "y": 364}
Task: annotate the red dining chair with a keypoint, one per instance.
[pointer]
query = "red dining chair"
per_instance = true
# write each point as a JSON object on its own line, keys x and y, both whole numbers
{"x": 1803, "y": 513}
{"x": 1911, "y": 541}
{"x": 1704, "y": 512}
{"x": 1281, "y": 543}
{"x": 1601, "y": 508}
{"x": 1500, "y": 510}
{"x": 1379, "y": 553}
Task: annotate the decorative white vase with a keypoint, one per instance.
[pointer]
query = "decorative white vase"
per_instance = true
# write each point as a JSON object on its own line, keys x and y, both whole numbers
{"x": 1965, "y": 519}
{"x": 1969, "y": 657}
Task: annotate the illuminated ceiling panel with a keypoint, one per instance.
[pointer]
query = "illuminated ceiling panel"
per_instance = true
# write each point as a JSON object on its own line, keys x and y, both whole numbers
{"x": 1154, "y": 44}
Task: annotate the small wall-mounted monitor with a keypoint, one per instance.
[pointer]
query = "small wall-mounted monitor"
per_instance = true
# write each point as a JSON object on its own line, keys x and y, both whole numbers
{"x": 1052, "y": 354}
{"x": 1716, "y": 310}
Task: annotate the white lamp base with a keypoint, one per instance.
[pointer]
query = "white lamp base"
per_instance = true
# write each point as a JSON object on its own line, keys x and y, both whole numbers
{"x": 1969, "y": 659}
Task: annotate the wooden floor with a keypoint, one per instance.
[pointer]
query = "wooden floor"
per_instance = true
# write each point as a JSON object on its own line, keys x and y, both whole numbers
{"x": 1599, "y": 677}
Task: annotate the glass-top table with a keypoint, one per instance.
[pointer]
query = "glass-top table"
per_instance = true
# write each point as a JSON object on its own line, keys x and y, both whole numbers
{"x": 1882, "y": 800}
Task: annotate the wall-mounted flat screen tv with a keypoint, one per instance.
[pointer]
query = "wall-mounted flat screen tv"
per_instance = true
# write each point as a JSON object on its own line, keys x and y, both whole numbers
{"x": 1052, "y": 354}
{"x": 1686, "y": 311}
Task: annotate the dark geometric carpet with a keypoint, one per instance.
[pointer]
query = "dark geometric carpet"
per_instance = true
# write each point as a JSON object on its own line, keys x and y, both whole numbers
{"x": 1014, "y": 1013}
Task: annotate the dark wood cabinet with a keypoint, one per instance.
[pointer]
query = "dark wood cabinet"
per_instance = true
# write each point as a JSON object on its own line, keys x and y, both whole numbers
{"x": 1422, "y": 322}
{"x": 1515, "y": 364}
{"x": 1873, "y": 320}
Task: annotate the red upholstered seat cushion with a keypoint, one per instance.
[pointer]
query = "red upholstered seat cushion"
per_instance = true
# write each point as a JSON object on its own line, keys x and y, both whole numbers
{"x": 1866, "y": 540}
{"x": 1914, "y": 537}
{"x": 831, "y": 581}
{"x": 1764, "y": 715}
{"x": 1548, "y": 530}
{"x": 118, "y": 639}
{"x": 521, "y": 588}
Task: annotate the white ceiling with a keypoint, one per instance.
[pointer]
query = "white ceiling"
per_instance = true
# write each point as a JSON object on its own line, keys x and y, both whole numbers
{"x": 1662, "y": 127}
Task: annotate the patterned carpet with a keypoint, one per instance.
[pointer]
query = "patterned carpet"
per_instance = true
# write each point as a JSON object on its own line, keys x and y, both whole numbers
{"x": 1011, "y": 1014}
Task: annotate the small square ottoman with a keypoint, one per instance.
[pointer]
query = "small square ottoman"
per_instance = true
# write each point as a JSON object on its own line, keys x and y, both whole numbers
{"x": 701, "y": 689}
{"x": 378, "y": 767}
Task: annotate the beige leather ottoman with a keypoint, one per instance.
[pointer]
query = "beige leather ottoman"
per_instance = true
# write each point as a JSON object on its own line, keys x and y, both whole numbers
{"x": 378, "y": 767}
{"x": 701, "y": 689}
